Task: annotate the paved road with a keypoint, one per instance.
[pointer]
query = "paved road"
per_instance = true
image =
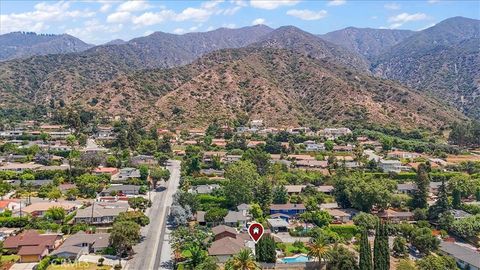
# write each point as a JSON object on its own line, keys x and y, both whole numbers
{"x": 151, "y": 253}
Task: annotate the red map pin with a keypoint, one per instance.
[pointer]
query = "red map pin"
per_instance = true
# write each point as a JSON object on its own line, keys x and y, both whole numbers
{"x": 256, "y": 231}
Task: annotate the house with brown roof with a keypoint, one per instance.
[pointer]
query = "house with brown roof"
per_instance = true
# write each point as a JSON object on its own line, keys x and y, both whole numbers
{"x": 228, "y": 242}
{"x": 38, "y": 209}
{"x": 32, "y": 246}
{"x": 394, "y": 216}
{"x": 290, "y": 209}
{"x": 82, "y": 243}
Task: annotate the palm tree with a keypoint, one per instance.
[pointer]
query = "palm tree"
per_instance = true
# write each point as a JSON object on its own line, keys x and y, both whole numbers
{"x": 197, "y": 256}
{"x": 245, "y": 260}
{"x": 209, "y": 263}
{"x": 318, "y": 249}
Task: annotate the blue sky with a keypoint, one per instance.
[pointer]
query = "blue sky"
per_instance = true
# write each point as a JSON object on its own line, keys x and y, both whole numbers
{"x": 99, "y": 21}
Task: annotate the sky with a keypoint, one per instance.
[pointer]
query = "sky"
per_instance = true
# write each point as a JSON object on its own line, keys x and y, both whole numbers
{"x": 99, "y": 21}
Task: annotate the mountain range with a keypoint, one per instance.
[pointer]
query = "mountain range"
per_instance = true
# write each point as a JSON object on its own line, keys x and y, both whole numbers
{"x": 25, "y": 44}
{"x": 285, "y": 74}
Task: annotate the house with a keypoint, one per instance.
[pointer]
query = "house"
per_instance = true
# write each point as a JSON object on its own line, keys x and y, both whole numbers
{"x": 257, "y": 123}
{"x": 204, "y": 189}
{"x": 287, "y": 209}
{"x": 312, "y": 146}
{"x": 338, "y": 215}
{"x": 394, "y": 216}
{"x": 390, "y": 165}
{"x": 212, "y": 172}
{"x": 459, "y": 214}
{"x": 282, "y": 216}
{"x": 406, "y": 188}
{"x": 38, "y": 209}
{"x": 209, "y": 155}
{"x": 228, "y": 242}
{"x": 143, "y": 160}
{"x": 105, "y": 170}
{"x": 7, "y": 232}
{"x": 372, "y": 156}
{"x": 236, "y": 218}
{"x": 343, "y": 148}
{"x": 301, "y": 157}
{"x": 334, "y": 133}
{"x": 402, "y": 154}
{"x": 325, "y": 189}
{"x": 222, "y": 231}
{"x": 277, "y": 225}
{"x": 126, "y": 174}
{"x": 11, "y": 205}
{"x": 100, "y": 213}
{"x": 252, "y": 144}
{"x": 121, "y": 190}
{"x": 467, "y": 258}
{"x": 231, "y": 158}
{"x": 299, "y": 130}
{"x": 19, "y": 167}
{"x": 82, "y": 243}
{"x": 312, "y": 164}
{"x": 219, "y": 142}
{"x": 200, "y": 218}
{"x": 244, "y": 208}
{"x": 294, "y": 189}
{"x": 32, "y": 246}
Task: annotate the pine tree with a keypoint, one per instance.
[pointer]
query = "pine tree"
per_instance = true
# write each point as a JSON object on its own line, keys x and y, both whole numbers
{"x": 423, "y": 184}
{"x": 376, "y": 248}
{"x": 365, "y": 252}
{"x": 442, "y": 205}
{"x": 265, "y": 249}
{"x": 385, "y": 247}
{"x": 381, "y": 250}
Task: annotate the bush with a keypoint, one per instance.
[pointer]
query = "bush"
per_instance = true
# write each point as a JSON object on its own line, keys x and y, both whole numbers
{"x": 346, "y": 232}
{"x": 13, "y": 222}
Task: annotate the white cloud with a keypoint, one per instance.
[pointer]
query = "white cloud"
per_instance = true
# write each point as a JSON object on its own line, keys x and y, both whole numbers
{"x": 105, "y": 7}
{"x": 92, "y": 29}
{"x": 118, "y": 17}
{"x": 258, "y": 21}
{"x": 38, "y": 20}
{"x": 179, "y": 31}
{"x": 241, "y": 3}
{"x": 151, "y": 18}
{"x": 392, "y": 6}
{"x": 433, "y": 1}
{"x": 231, "y": 11}
{"x": 211, "y": 4}
{"x": 336, "y": 2}
{"x": 402, "y": 18}
{"x": 306, "y": 14}
{"x": 194, "y": 14}
{"x": 133, "y": 6}
{"x": 272, "y": 4}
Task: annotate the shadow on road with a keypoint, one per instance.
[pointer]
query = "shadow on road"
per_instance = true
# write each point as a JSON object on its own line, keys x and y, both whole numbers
{"x": 160, "y": 189}
{"x": 167, "y": 265}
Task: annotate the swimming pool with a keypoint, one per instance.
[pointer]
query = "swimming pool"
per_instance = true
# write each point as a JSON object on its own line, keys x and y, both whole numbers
{"x": 295, "y": 259}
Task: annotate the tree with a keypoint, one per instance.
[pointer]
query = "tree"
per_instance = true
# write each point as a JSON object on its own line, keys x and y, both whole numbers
{"x": 365, "y": 220}
{"x": 197, "y": 256}
{"x": 442, "y": 205}
{"x": 245, "y": 260}
{"x": 111, "y": 161}
{"x": 209, "y": 263}
{"x": 381, "y": 253}
{"x": 343, "y": 259}
{"x": 406, "y": 264}
{"x": 123, "y": 236}
{"x": 54, "y": 194}
{"x": 457, "y": 198}
{"x": 256, "y": 211}
{"x": 143, "y": 169}
{"x": 135, "y": 216}
{"x": 139, "y": 203}
{"x": 436, "y": 262}
{"x": 243, "y": 178}
{"x": 365, "y": 262}
{"x": 468, "y": 227}
{"x": 215, "y": 214}
{"x": 265, "y": 250}
{"x": 258, "y": 157}
{"x": 319, "y": 218}
{"x": 56, "y": 214}
{"x": 341, "y": 192}
{"x": 158, "y": 174}
{"x": 88, "y": 185}
{"x": 423, "y": 185}
{"x": 329, "y": 145}
{"x": 280, "y": 195}
{"x": 319, "y": 249}
{"x": 263, "y": 194}
{"x": 423, "y": 240}
{"x": 179, "y": 215}
{"x": 399, "y": 247}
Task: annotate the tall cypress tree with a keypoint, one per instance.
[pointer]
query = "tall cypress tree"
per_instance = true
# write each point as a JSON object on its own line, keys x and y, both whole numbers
{"x": 385, "y": 248}
{"x": 365, "y": 252}
{"x": 376, "y": 248}
{"x": 423, "y": 184}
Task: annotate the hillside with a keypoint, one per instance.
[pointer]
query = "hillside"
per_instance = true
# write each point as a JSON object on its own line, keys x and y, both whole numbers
{"x": 280, "y": 86}
{"x": 443, "y": 60}
{"x": 295, "y": 39}
{"x": 22, "y": 45}
{"x": 367, "y": 42}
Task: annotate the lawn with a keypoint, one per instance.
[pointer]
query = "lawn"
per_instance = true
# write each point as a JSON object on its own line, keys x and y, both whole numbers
{"x": 290, "y": 250}
{"x": 79, "y": 266}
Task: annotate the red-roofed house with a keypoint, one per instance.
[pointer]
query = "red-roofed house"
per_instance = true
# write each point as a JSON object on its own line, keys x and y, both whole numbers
{"x": 32, "y": 246}
{"x": 105, "y": 170}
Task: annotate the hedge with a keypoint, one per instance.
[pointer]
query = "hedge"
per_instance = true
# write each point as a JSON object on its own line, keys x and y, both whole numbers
{"x": 347, "y": 232}
{"x": 13, "y": 222}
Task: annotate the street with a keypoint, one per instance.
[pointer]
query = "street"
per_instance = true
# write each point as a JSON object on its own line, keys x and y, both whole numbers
{"x": 153, "y": 252}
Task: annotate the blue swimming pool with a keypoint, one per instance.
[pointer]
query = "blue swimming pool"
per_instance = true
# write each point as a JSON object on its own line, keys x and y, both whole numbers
{"x": 296, "y": 259}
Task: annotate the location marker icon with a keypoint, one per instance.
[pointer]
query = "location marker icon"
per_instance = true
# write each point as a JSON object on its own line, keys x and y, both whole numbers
{"x": 256, "y": 231}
